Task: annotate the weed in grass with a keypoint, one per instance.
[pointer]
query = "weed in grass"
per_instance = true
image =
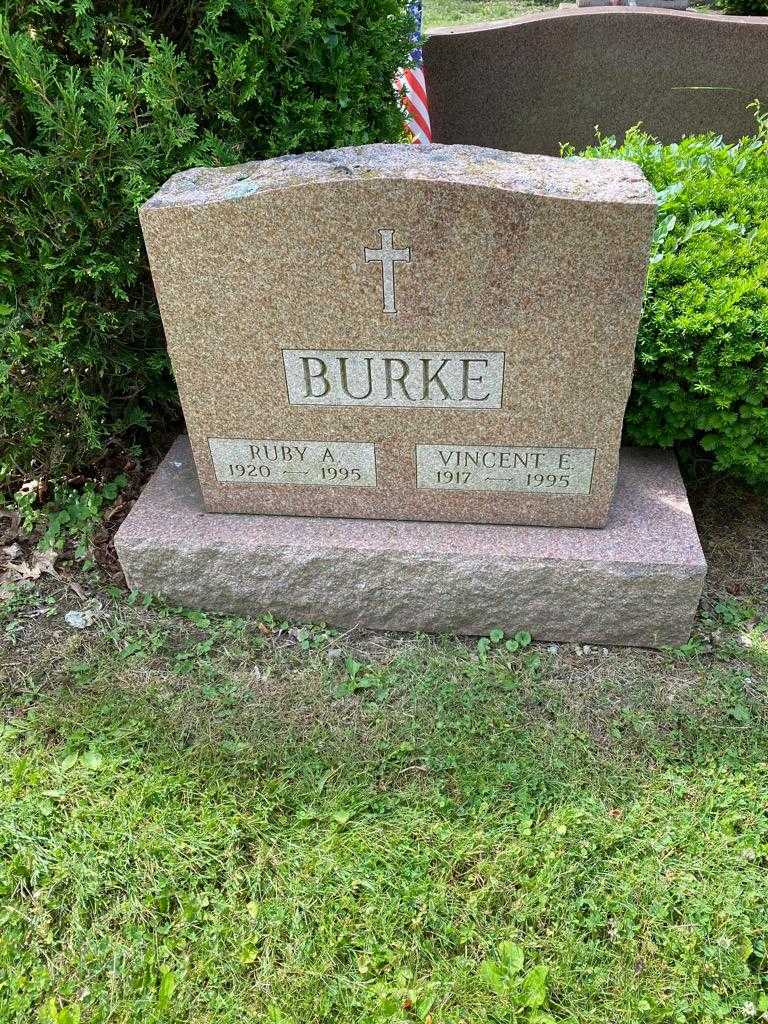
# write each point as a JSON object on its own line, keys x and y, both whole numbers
{"x": 496, "y": 637}
{"x": 523, "y": 993}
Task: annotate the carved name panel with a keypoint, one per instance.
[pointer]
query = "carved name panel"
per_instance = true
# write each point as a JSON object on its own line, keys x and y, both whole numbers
{"x": 320, "y": 463}
{"x": 439, "y": 380}
{"x": 502, "y": 468}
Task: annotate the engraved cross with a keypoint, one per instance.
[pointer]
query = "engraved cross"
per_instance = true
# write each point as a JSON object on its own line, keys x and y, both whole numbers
{"x": 387, "y": 255}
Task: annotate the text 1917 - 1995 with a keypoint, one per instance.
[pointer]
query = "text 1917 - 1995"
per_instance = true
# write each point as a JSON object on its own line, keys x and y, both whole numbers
{"x": 505, "y": 468}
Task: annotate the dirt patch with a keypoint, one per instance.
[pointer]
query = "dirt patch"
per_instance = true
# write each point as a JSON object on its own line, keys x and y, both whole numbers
{"x": 733, "y": 526}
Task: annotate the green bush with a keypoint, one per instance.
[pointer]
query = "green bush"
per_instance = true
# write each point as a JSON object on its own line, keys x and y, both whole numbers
{"x": 99, "y": 103}
{"x": 701, "y": 376}
{"x": 754, "y": 7}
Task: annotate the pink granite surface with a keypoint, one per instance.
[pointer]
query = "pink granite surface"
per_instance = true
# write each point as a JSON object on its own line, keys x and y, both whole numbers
{"x": 532, "y": 262}
{"x": 636, "y": 582}
{"x": 536, "y": 81}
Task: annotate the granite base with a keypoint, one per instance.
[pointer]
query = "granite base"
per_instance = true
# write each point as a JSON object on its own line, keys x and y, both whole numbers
{"x": 637, "y": 582}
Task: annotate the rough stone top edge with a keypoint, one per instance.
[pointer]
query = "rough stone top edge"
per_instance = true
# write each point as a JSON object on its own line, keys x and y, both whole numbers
{"x": 575, "y": 178}
{"x": 608, "y": 11}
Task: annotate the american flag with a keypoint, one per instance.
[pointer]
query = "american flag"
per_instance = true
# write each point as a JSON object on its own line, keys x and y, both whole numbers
{"x": 410, "y": 84}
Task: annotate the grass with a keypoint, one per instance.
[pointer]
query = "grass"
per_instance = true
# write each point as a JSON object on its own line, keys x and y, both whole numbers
{"x": 212, "y": 820}
{"x": 458, "y": 12}
{"x": 461, "y": 12}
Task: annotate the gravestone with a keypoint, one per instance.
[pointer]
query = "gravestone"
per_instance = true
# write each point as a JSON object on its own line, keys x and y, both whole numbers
{"x": 389, "y": 356}
{"x": 535, "y": 82}
{"x": 398, "y": 333}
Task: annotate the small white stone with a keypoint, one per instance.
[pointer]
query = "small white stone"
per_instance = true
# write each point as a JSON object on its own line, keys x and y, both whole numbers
{"x": 81, "y": 619}
{"x": 553, "y": 649}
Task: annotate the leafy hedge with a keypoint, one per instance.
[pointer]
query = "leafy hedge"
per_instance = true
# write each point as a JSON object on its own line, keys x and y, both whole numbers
{"x": 99, "y": 103}
{"x": 748, "y": 7}
{"x": 702, "y": 354}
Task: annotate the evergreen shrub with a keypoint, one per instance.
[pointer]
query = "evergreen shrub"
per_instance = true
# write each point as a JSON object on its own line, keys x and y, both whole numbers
{"x": 744, "y": 7}
{"x": 701, "y": 377}
{"x": 99, "y": 103}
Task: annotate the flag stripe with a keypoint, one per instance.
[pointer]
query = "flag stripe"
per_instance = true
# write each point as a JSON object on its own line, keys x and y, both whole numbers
{"x": 413, "y": 102}
{"x": 416, "y": 134}
{"x": 415, "y": 79}
{"x": 411, "y": 85}
{"x": 417, "y": 116}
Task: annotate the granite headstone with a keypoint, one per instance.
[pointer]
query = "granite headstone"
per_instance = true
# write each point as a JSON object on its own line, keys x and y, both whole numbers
{"x": 429, "y": 333}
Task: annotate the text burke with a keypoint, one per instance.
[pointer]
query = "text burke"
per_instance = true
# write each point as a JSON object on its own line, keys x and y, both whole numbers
{"x": 468, "y": 379}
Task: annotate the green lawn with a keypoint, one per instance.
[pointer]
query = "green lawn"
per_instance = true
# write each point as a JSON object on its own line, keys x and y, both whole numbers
{"x": 456, "y": 12}
{"x": 461, "y": 12}
{"x": 207, "y": 820}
